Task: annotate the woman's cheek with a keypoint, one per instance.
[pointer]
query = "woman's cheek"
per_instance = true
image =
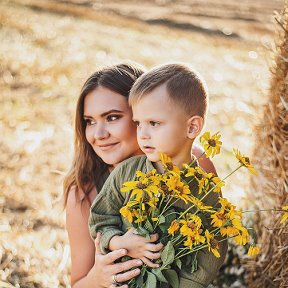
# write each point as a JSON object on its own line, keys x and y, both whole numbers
{"x": 88, "y": 134}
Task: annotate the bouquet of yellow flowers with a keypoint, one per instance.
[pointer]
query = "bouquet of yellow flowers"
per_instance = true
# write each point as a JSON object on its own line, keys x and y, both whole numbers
{"x": 175, "y": 204}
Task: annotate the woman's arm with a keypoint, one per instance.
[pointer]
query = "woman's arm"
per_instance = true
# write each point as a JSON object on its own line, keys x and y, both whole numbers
{"x": 204, "y": 162}
{"x": 88, "y": 267}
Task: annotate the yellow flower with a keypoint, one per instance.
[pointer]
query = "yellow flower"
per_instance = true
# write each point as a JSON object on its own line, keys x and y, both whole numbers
{"x": 194, "y": 240}
{"x": 127, "y": 213}
{"x": 211, "y": 144}
{"x": 139, "y": 188}
{"x": 243, "y": 237}
{"x": 230, "y": 231}
{"x": 140, "y": 216}
{"x": 152, "y": 201}
{"x": 168, "y": 165}
{"x": 218, "y": 219}
{"x": 233, "y": 228}
{"x": 200, "y": 205}
{"x": 199, "y": 175}
{"x": 216, "y": 181}
{"x": 180, "y": 189}
{"x": 244, "y": 161}
{"x": 253, "y": 250}
{"x": 229, "y": 209}
{"x": 190, "y": 225}
{"x": 212, "y": 244}
{"x": 188, "y": 242}
{"x": 285, "y": 216}
{"x": 174, "y": 227}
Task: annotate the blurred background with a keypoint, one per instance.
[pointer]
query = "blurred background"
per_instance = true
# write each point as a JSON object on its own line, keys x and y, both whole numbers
{"x": 49, "y": 48}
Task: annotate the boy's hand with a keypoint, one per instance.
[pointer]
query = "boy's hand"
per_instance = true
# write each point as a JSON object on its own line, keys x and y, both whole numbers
{"x": 138, "y": 247}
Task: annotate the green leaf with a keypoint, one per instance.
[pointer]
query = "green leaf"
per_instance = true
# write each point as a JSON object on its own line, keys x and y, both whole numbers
{"x": 142, "y": 232}
{"x": 168, "y": 254}
{"x": 194, "y": 264}
{"x": 139, "y": 281}
{"x": 159, "y": 275}
{"x": 162, "y": 219}
{"x": 155, "y": 212}
{"x": 148, "y": 226}
{"x": 151, "y": 280}
{"x": 178, "y": 263}
{"x": 171, "y": 277}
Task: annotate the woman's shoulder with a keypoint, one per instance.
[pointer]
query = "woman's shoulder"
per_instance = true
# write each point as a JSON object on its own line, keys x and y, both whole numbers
{"x": 77, "y": 198}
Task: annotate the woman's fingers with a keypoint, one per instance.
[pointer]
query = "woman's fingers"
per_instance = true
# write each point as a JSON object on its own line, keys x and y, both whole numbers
{"x": 113, "y": 256}
{"x": 122, "y": 277}
{"x": 127, "y": 265}
{"x": 97, "y": 244}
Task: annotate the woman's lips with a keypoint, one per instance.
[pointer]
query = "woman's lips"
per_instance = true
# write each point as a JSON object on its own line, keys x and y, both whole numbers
{"x": 106, "y": 147}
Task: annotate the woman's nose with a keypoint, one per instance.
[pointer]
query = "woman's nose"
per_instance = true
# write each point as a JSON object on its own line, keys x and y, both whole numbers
{"x": 100, "y": 132}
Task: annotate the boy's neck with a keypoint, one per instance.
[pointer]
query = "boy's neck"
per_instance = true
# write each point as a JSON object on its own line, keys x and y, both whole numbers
{"x": 178, "y": 162}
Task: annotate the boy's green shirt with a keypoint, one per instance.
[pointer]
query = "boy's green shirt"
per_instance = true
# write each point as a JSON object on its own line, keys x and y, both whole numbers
{"x": 105, "y": 217}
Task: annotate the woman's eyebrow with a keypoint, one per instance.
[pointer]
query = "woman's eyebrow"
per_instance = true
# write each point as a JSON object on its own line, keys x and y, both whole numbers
{"x": 110, "y": 111}
{"x": 105, "y": 113}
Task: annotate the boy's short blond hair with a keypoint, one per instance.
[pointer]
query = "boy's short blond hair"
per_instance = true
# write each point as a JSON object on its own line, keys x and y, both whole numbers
{"x": 184, "y": 86}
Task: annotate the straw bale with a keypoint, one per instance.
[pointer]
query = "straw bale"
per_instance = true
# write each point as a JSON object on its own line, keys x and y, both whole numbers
{"x": 270, "y": 269}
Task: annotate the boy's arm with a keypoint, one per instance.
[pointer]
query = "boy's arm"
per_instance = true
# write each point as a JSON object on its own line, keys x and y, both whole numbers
{"x": 208, "y": 267}
{"x": 104, "y": 212}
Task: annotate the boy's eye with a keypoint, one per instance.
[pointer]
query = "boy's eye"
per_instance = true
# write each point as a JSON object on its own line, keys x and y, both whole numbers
{"x": 154, "y": 123}
{"x": 111, "y": 118}
{"x": 136, "y": 123}
{"x": 89, "y": 122}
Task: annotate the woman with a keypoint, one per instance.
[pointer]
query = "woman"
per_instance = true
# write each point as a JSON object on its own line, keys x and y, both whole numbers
{"x": 105, "y": 135}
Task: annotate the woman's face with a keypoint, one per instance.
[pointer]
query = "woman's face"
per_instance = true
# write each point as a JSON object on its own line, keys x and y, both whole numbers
{"x": 109, "y": 126}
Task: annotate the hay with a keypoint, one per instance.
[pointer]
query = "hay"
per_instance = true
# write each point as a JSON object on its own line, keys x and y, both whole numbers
{"x": 270, "y": 269}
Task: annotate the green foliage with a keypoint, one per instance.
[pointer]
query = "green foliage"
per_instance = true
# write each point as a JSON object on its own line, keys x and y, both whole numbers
{"x": 172, "y": 277}
{"x": 168, "y": 254}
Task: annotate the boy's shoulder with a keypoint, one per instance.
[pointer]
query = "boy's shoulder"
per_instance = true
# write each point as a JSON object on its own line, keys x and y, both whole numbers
{"x": 133, "y": 161}
{"x": 128, "y": 167}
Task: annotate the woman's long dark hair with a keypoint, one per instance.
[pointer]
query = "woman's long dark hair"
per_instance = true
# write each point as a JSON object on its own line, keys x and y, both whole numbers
{"x": 87, "y": 167}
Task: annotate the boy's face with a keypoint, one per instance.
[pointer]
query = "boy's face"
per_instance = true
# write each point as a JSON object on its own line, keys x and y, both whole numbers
{"x": 162, "y": 127}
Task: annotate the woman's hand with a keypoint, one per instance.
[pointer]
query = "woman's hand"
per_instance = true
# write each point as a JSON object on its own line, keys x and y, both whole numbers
{"x": 109, "y": 274}
{"x": 138, "y": 246}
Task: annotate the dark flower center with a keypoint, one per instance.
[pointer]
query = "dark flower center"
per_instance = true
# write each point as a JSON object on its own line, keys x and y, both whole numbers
{"x": 212, "y": 142}
{"x": 247, "y": 160}
{"x": 166, "y": 190}
{"x": 214, "y": 243}
{"x": 141, "y": 186}
{"x": 169, "y": 166}
{"x": 198, "y": 175}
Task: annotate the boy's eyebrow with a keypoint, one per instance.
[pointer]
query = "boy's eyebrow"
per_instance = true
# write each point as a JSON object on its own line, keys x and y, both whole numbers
{"x": 106, "y": 113}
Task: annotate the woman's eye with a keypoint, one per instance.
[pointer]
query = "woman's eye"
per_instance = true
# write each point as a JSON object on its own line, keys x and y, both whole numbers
{"x": 113, "y": 118}
{"x": 154, "y": 123}
{"x": 89, "y": 122}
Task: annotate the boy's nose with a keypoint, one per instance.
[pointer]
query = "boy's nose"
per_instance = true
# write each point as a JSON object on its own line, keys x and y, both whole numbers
{"x": 142, "y": 132}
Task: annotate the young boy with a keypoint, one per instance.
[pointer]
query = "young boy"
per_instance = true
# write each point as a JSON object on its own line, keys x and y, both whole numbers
{"x": 169, "y": 105}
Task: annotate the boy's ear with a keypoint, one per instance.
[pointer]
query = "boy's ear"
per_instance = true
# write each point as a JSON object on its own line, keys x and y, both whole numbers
{"x": 194, "y": 126}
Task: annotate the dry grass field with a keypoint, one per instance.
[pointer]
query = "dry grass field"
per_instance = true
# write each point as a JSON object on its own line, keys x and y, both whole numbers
{"x": 48, "y": 49}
